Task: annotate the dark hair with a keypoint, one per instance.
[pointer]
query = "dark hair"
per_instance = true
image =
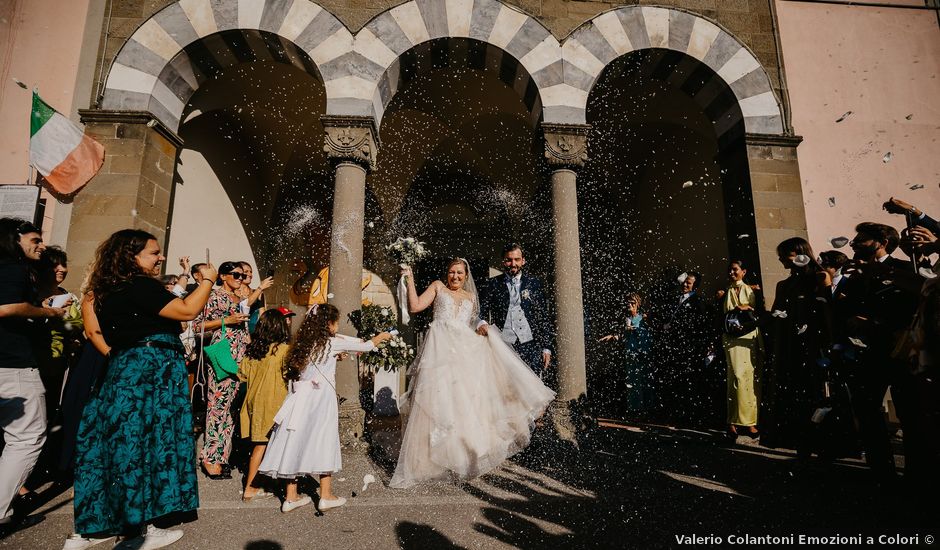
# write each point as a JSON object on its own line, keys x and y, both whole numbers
{"x": 882, "y": 233}
{"x": 271, "y": 330}
{"x": 115, "y": 261}
{"x": 698, "y": 278}
{"x": 833, "y": 258}
{"x": 800, "y": 246}
{"x": 225, "y": 269}
{"x": 513, "y": 246}
{"x": 311, "y": 341}
{"x": 169, "y": 279}
{"x": 53, "y": 256}
{"x": 195, "y": 268}
{"x": 10, "y": 231}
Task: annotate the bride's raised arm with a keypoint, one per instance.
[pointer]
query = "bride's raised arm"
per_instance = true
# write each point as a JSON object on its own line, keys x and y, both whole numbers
{"x": 419, "y": 303}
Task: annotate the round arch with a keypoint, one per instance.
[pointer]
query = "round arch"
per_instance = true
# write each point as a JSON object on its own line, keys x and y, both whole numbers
{"x": 170, "y": 54}
{"x": 610, "y": 35}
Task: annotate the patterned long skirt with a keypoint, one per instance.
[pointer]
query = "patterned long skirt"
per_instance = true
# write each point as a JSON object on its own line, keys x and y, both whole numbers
{"x": 134, "y": 454}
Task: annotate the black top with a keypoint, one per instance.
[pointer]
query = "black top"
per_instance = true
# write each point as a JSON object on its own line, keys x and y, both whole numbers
{"x": 131, "y": 312}
{"x": 15, "y": 288}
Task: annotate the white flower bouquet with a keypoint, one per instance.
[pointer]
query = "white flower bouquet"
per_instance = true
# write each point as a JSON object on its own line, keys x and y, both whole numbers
{"x": 407, "y": 251}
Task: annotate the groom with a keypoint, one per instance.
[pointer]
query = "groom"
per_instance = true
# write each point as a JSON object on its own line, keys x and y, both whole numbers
{"x": 515, "y": 304}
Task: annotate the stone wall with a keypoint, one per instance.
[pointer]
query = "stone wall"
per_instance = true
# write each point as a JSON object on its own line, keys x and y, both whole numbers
{"x": 747, "y": 20}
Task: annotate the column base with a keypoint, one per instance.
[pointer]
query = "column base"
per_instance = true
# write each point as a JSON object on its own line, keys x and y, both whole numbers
{"x": 565, "y": 426}
{"x": 351, "y": 426}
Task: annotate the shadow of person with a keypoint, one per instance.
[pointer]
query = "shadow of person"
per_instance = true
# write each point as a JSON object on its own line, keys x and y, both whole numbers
{"x": 263, "y": 545}
{"x": 385, "y": 404}
{"x": 13, "y": 409}
{"x": 418, "y": 536}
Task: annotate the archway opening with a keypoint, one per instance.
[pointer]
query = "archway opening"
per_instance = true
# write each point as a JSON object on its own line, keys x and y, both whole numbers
{"x": 253, "y": 182}
{"x": 459, "y": 166}
{"x": 666, "y": 192}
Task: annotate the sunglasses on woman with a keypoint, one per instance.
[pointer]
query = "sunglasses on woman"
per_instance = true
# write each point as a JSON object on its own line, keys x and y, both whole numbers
{"x": 236, "y": 275}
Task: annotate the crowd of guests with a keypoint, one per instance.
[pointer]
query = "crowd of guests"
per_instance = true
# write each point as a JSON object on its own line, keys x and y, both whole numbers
{"x": 91, "y": 383}
{"x": 812, "y": 372}
{"x": 96, "y": 390}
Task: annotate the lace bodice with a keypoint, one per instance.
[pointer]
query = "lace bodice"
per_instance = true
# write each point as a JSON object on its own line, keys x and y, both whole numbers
{"x": 447, "y": 309}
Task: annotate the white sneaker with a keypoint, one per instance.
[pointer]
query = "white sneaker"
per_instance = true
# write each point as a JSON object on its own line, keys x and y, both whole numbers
{"x": 78, "y": 542}
{"x": 334, "y": 503}
{"x": 293, "y": 505}
{"x": 152, "y": 539}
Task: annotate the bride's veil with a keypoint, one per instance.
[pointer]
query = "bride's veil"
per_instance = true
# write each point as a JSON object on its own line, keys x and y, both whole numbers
{"x": 471, "y": 289}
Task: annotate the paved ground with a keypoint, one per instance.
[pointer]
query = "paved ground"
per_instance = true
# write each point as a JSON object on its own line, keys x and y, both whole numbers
{"x": 626, "y": 486}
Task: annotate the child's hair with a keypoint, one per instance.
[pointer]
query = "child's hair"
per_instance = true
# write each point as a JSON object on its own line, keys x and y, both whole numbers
{"x": 311, "y": 341}
{"x": 272, "y": 329}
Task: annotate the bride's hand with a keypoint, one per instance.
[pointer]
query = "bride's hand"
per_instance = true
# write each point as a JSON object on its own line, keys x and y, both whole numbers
{"x": 405, "y": 271}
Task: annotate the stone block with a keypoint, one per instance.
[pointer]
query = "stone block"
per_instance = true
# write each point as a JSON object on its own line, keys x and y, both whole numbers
{"x": 778, "y": 200}
{"x": 112, "y": 184}
{"x": 124, "y": 164}
{"x": 793, "y": 218}
{"x": 759, "y": 152}
{"x": 789, "y": 184}
{"x": 783, "y": 153}
{"x": 127, "y": 8}
{"x": 123, "y": 27}
{"x": 768, "y": 218}
{"x": 100, "y": 131}
{"x": 764, "y": 182}
{"x": 774, "y": 166}
{"x": 532, "y": 7}
{"x": 130, "y": 131}
{"x": 122, "y": 147}
{"x": 734, "y": 6}
{"x": 145, "y": 192}
{"x": 103, "y": 205}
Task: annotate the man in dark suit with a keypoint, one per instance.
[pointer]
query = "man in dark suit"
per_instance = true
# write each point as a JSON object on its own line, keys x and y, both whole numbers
{"x": 515, "y": 303}
{"x": 684, "y": 338}
{"x": 880, "y": 308}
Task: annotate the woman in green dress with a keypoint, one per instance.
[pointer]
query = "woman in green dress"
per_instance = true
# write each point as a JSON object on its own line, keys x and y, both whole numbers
{"x": 744, "y": 352}
{"x": 134, "y": 453}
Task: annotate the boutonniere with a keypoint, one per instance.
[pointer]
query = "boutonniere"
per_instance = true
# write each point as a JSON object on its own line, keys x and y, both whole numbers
{"x": 525, "y": 294}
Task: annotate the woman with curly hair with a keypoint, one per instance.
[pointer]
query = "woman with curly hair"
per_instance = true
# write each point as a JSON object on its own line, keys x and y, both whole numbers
{"x": 220, "y": 424}
{"x": 133, "y": 460}
{"x": 305, "y": 439}
{"x": 261, "y": 371}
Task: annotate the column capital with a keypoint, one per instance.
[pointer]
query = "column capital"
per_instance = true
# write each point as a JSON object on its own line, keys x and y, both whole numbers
{"x": 773, "y": 140}
{"x": 351, "y": 139}
{"x": 566, "y": 144}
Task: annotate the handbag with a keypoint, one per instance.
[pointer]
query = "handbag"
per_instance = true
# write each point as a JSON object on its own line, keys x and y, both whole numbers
{"x": 739, "y": 322}
{"x": 220, "y": 356}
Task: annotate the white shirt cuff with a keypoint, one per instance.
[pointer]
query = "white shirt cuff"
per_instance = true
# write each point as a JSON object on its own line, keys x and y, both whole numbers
{"x": 548, "y": 351}
{"x": 481, "y": 323}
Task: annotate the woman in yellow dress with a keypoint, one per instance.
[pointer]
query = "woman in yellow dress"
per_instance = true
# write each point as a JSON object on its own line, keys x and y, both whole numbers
{"x": 744, "y": 351}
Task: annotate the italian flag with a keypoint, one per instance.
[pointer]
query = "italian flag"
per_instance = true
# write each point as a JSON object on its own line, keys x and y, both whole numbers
{"x": 60, "y": 150}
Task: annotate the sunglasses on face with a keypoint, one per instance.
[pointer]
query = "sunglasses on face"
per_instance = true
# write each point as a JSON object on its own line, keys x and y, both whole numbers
{"x": 236, "y": 275}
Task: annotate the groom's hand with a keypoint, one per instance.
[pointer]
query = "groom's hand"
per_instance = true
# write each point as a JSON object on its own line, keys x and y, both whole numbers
{"x": 481, "y": 330}
{"x": 546, "y": 358}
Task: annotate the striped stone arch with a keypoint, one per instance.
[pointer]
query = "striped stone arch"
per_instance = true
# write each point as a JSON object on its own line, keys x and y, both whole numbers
{"x": 523, "y": 52}
{"x": 610, "y": 35}
{"x": 167, "y": 58}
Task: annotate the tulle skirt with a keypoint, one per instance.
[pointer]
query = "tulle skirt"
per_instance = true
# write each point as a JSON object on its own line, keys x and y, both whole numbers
{"x": 472, "y": 404}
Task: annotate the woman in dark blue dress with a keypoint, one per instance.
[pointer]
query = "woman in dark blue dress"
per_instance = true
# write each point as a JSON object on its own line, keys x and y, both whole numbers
{"x": 134, "y": 453}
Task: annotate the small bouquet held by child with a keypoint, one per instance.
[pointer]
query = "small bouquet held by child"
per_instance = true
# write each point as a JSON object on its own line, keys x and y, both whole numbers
{"x": 405, "y": 251}
{"x": 391, "y": 354}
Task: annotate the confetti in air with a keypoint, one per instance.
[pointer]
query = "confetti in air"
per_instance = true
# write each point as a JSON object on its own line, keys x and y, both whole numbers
{"x": 832, "y": 201}
{"x": 887, "y": 158}
{"x": 844, "y": 116}
{"x": 916, "y": 186}
{"x": 20, "y": 83}
{"x": 839, "y": 242}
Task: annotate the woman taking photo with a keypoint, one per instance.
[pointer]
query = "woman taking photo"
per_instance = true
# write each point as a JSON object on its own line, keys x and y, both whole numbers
{"x": 744, "y": 347}
{"x": 134, "y": 450}
{"x": 222, "y": 307}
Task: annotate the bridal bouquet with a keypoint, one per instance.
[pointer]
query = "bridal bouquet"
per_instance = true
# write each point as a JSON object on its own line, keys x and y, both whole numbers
{"x": 405, "y": 251}
{"x": 392, "y": 354}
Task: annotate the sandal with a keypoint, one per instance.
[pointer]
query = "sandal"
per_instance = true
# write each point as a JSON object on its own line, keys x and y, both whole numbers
{"x": 220, "y": 475}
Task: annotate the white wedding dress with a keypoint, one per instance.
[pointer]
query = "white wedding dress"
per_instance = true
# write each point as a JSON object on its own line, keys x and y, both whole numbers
{"x": 472, "y": 402}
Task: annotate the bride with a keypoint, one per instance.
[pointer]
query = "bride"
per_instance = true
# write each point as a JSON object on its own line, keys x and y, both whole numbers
{"x": 472, "y": 401}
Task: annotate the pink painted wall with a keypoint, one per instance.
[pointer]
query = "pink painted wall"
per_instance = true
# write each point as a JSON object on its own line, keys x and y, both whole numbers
{"x": 883, "y": 64}
{"x": 40, "y": 44}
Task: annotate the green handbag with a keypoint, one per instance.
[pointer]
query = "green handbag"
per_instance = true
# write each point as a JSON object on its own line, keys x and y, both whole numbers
{"x": 220, "y": 356}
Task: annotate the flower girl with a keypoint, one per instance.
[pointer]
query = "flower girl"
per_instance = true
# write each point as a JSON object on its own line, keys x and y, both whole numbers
{"x": 305, "y": 439}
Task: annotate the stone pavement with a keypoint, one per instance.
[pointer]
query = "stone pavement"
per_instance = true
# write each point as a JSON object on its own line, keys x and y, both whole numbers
{"x": 627, "y": 486}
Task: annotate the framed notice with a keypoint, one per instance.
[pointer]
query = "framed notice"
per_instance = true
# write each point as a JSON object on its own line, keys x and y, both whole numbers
{"x": 19, "y": 201}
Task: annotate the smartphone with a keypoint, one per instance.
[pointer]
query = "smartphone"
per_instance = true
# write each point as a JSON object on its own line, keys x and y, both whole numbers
{"x": 270, "y": 273}
{"x": 207, "y": 256}
{"x": 393, "y": 332}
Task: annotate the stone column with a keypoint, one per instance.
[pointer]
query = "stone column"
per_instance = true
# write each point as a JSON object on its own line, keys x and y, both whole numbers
{"x": 134, "y": 188}
{"x": 566, "y": 152}
{"x": 777, "y": 192}
{"x": 350, "y": 146}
